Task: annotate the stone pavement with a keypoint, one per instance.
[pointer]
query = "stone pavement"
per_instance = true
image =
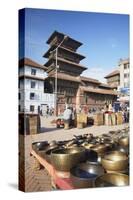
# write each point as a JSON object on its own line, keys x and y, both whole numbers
{"x": 39, "y": 180}
{"x": 50, "y": 132}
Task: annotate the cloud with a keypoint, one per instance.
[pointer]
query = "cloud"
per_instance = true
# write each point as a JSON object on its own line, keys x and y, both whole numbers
{"x": 97, "y": 73}
{"x": 96, "y": 70}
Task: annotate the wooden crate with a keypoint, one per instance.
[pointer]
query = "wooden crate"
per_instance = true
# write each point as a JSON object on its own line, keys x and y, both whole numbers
{"x": 113, "y": 119}
{"x": 107, "y": 119}
{"x": 98, "y": 119}
{"x": 119, "y": 118}
{"x": 29, "y": 124}
{"x": 82, "y": 119}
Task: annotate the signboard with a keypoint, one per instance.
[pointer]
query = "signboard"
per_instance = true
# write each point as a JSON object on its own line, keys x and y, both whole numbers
{"x": 125, "y": 90}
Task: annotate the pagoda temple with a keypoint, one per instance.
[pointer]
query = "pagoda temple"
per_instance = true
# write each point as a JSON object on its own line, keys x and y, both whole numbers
{"x": 72, "y": 88}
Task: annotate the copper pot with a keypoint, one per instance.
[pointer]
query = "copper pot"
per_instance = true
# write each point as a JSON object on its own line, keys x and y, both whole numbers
{"x": 115, "y": 161}
{"x": 112, "y": 179}
{"x": 65, "y": 159}
{"x": 84, "y": 175}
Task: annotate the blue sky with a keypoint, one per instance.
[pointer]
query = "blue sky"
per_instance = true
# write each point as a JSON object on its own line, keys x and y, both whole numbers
{"x": 105, "y": 37}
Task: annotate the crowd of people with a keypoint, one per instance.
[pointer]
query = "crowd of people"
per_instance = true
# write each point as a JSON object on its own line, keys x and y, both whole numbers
{"x": 48, "y": 111}
{"x": 70, "y": 113}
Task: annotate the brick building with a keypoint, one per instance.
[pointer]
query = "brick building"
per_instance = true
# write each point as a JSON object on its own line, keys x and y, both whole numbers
{"x": 113, "y": 79}
{"x": 72, "y": 87}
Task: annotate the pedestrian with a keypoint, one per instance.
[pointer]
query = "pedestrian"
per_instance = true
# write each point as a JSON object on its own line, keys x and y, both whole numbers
{"x": 73, "y": 116}
{"x": 67, "y": 116}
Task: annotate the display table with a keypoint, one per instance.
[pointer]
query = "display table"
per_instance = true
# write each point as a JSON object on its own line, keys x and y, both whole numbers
{"x": 62, "y": 183}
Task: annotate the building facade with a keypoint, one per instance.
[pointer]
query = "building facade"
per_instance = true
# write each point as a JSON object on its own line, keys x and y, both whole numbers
{"x": 124, "y": 73}
{"x": 31, "y": 87}
{"x": 120, "y": 80}
{"x": 72, "y": 87}
{"x": 113, "y": 79}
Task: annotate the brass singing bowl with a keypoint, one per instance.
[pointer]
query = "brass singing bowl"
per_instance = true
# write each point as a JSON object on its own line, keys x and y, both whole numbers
{"x": 87, "y": 145}
{"x": 122, "y": 149}
{"x": 115, "y": 161}
{"x": 71, "y": 146}
{"x": 65, "y": 159}
{"x": 84, "y": 174}
{"x": 124, "y": 141}
{"x": 47, "y": 154}
{"x": 112, "y": 132}
{"x": 112, "y": 179}
{"x": 99, "y": 148}
{"x": 70, "y": 142}
{"x": 40, "y": 146}
{"x": 52, "y": 143}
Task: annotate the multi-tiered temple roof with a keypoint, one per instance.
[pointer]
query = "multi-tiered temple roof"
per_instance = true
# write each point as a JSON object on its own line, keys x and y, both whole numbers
{"x": 67, "y": 57}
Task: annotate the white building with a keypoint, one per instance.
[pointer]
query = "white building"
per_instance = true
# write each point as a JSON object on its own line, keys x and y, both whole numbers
{"x": 124, "y": 73}
{"x": 31, "y": 87}
{"x": 120, "y": 80}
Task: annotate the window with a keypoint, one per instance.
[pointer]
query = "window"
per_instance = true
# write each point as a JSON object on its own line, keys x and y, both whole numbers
{"x": 21, "y": 83}
{"x": 32, "y": 96}
{"x": 126, "y": 84}
{"x": 33, "y": 71}
{"x": 19, "y": 95}
{"x": 19, "y": 108}
{"x": 32, "y": 108}
{"x": 125, "y": 75}
{"x": 69, "y": 100}
{"x": 33, "y": 84}
{"x": 125, "y": 66}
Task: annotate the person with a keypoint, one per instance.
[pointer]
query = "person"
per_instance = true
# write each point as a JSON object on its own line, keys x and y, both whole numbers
{"x": 73, "y": 116}
{"x": 67, "y": 116}
{"x": 106, "y": 107}
{"x": 47, "y": 110}
{"x": 110, "y": 109}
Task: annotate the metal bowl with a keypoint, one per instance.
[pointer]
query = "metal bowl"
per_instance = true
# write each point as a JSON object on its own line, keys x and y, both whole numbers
{"x": 112, "y": 179}
{"x": 122, "y": 149}
{"x": 40, "y": 146}
{"x": 70, "y": 143}
{"x": 112, "y": 132}
{"x": 87, "y": 145}
{"x": 65, "y": 159}
{"x": 52, "y": 143}
{"x": 115, "y": 161}
{"x": 99, "y": 148}
{"x": 47, "y": 154}
{"x": 124, "y": 141}
{"x": 84, "y": 175}
{"x": 91, "y": 156}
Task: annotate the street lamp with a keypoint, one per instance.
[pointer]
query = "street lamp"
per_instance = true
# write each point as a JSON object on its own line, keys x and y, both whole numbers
{"x": 56, "y": 70}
